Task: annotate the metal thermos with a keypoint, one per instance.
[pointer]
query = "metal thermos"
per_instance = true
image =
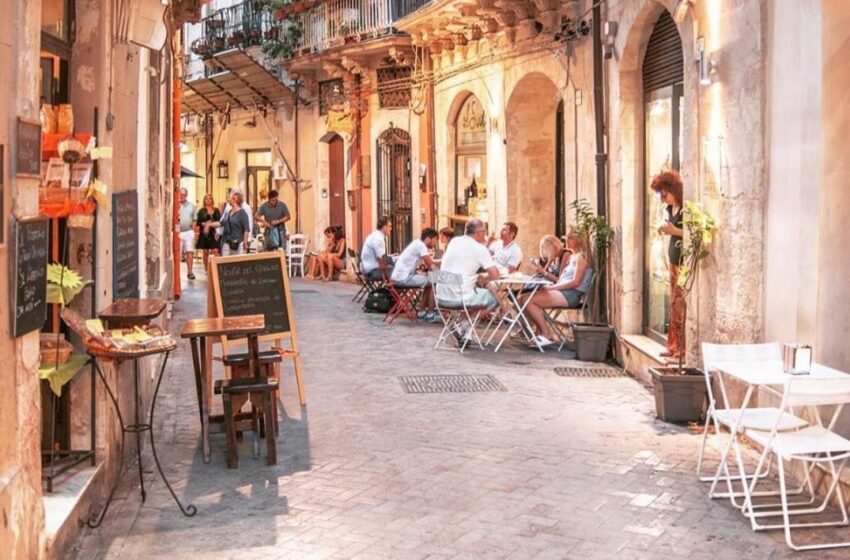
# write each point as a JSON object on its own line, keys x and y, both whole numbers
{"x": 797, "y": 358}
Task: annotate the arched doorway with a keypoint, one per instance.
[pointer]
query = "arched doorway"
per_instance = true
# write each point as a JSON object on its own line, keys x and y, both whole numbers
{"x": 336, "y": 182}
{"x": 470, "y": 161}
{"x": 395, "y": 199}
{"x": 663, "y": 77}
{"x": 532, "y": 153}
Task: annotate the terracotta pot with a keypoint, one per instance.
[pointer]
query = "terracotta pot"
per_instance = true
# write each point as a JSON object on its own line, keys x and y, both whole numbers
{"x": 680, "y": 396}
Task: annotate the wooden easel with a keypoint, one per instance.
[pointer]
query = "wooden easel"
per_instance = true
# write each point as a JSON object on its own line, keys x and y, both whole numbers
{"x": 216, "y": 308}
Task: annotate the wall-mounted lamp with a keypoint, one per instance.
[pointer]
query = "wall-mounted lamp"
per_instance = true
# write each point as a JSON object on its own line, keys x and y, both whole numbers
{"x": 706, "y": 67}
{"x": 681, "y": 10}
{"x": 423, "y": 169}
{"x": 352, "y": 201}
{"x": 610, "y": 31}
{"x": 223, "y": 169}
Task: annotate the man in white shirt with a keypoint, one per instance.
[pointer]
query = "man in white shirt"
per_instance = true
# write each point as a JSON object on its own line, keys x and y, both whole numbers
{"x": 374, "y": 249}
{"x": 466, "y": 255}
{"x": 506, "y": 253}
{"x": 406, "y": 270}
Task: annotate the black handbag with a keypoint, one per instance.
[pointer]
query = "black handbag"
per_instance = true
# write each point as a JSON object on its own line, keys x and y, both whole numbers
{"x": 378, "y": 301}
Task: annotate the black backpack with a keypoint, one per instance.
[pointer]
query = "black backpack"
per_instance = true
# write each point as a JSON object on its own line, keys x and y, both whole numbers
{"x": 378, "y": 301}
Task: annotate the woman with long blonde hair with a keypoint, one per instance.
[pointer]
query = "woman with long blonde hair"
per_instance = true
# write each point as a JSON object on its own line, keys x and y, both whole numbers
{"x": 555, "y": 258}
{"x": 208, "y": 240}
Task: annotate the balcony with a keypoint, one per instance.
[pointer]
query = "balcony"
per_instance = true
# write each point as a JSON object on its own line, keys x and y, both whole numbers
{"x": 240, "y": 26}
{"x": 336, "y": 22}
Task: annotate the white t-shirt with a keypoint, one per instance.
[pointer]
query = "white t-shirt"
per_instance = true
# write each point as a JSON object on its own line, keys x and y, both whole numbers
{"x": 506, "y": 256}
{"x": 463, "y": 256}
{"x": 374, "y": 248}
{"x": 406, "y": 263}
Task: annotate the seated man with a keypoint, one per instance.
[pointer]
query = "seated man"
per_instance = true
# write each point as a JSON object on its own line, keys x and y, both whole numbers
{"x": 374, "y": 249}
{"x": 406, "y": 269}
{"x": 506, "y": 253}
{"x": 465, "y": 255}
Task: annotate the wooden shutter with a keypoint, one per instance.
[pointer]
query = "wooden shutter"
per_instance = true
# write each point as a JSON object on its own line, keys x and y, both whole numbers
{"x": 663, "y": 64}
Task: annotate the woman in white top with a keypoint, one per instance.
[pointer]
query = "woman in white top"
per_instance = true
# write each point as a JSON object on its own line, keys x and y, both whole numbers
{"x": 568, "y": 291}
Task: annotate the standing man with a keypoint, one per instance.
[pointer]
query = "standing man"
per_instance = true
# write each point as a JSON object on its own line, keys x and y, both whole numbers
{"x": 506, "y": 253}
{"x": 187, "y": 231}
{"x": 274, "y": 214}
{"x": 374, "y": 249}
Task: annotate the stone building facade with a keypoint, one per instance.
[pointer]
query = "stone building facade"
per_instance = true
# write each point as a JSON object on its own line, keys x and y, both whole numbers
{"x": 120, "y": 93}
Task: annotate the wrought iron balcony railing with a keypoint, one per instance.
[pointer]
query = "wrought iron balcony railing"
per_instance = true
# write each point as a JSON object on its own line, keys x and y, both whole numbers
{"x": 240, "y": 26}
{"x": 336, "y": 22}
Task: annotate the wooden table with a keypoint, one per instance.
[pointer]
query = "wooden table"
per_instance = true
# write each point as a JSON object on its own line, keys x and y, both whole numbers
{"x": 197, "y": 331}
{"x": 130, "y": 312}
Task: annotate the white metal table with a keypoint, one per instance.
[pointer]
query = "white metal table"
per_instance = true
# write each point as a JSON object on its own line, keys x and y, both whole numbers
{"x": 509, "y": 288}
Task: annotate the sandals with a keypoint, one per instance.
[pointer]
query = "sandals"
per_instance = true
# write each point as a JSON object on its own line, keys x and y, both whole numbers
{"x": 190, "y": 276}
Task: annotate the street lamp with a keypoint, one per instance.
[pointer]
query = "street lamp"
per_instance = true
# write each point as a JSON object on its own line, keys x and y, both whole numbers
{"x": 223, "y": 169}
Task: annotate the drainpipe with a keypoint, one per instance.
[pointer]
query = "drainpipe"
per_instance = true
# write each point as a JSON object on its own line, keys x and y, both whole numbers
{"x": 175, "y": 173}
{"x": 601, "y": 155}
{"x": 432, "y": 171}
{"x": 297, "y": 178}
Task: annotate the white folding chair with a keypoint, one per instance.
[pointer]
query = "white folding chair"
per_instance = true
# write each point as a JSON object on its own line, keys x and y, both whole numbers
{"x": 737, "y": 421}
{"x": 814, "y": 444}
{"x": 296, "y": 252}
{"x": 455, "y": 315}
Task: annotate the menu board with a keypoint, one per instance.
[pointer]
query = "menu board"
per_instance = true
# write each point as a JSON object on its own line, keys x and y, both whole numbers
{"x": 254, "y": 285}
{"x": 125, "y": 245}
{"x": 28, "y": 155}
{"x": 28, "y": 266}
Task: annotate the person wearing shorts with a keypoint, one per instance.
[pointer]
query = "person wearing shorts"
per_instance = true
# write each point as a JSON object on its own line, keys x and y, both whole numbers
{"x": 186, "y": 216}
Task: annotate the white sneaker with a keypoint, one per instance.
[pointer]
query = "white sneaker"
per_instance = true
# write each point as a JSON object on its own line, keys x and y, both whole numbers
{"x": 542, "y": 342}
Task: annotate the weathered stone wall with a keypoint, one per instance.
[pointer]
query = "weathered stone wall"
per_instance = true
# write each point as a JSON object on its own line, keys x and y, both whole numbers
{"x": 21, "y": 510}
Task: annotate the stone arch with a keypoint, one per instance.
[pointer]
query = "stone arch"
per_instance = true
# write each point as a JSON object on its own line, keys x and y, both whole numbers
{"x": 530, "y": 116}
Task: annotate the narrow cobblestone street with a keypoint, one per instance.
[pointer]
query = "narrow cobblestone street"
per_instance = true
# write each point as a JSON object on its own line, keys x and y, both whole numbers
{"x": 551, "y": 467}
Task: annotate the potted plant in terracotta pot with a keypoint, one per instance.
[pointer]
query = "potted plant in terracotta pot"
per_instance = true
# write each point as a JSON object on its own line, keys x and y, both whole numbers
{"x": 593, "y": 339}
{"x": 680, "y": 391}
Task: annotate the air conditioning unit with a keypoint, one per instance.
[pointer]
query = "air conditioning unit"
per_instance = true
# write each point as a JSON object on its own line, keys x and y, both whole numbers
{"x": 145, "y": 24}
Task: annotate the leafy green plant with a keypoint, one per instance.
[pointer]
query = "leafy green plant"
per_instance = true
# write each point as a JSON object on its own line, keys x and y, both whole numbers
{"x": 596, "y": 234}
{"x": 284, "y": 45}
{"x": 63, "y": 284}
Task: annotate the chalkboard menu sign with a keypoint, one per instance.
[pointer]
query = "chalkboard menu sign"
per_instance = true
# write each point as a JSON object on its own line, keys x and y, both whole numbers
{"x": 125, "y": 245}
{"x": 254, "y": 285}
{"x": 29, "y": 274}
{"x": 28, "y": 155}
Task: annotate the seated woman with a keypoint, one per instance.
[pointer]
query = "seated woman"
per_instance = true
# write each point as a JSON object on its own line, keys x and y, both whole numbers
{"x": 331, "y": 261}
{"x": 556, "y": 256}
{"x": 568, "y": 291}
{"x": 315, "y": 258}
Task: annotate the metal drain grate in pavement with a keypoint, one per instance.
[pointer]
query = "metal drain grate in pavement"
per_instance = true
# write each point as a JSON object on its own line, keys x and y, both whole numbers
{"x": 450, "y": 384}
{"x": 589, "y": 371}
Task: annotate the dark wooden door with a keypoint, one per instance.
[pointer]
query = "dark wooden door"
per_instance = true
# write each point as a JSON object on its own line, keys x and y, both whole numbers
{"x": 336, "y": 182}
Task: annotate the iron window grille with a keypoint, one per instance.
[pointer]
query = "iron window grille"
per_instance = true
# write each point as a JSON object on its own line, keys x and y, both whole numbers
{"x": 394, "y": 83}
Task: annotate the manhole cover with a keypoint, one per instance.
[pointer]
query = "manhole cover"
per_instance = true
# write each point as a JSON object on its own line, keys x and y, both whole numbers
{"x": 589, "y": 371}
{"x": 450, "y": 384}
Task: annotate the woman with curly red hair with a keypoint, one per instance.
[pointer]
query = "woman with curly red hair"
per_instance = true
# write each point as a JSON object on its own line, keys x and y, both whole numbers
{"x": 668, "y": 186}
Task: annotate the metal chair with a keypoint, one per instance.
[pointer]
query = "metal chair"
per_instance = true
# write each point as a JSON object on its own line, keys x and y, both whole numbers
{"x": 365, "y": 284}
{"x": 814, "y": 444}
{"x": 739, "y": 421}
{"x": 404, "y": 297}
{"x": 561, "y": 327}
{"x": 296, "y": 252}
{"x": 455, "y": 314}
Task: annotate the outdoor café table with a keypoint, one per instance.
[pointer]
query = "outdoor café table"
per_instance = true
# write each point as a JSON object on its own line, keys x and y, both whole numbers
{"x": 197, "y": 331}
{"x": 126, "y": 313}
{"x": 769, "y": 374}
{"x": 509, "y": 288}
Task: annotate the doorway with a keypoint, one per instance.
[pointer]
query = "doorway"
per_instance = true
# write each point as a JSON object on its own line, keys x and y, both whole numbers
{"x": 395, "y": 199}
{"x": 336, "y": 182}
{"x": 663, "y": 76}
{"x": 258, "y": 177}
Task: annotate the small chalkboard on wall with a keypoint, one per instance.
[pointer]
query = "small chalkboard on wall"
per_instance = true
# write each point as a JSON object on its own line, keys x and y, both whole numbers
{"x": 28, "y": 154}
{"x": 125, "y": 245}
{"x": 28, "y": 266}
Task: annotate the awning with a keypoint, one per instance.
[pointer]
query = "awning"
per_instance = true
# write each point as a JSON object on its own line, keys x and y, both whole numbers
{"x": 243, "y": 83}
{"x": 186, "y": 172}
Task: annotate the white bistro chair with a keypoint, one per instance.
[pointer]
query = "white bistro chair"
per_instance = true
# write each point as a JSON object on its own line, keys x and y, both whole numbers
{"x": 812, "y": 445}
{"x": 738, "y": 421}
{"x": 456, "y": 315}
{"x": 296, "y": 252}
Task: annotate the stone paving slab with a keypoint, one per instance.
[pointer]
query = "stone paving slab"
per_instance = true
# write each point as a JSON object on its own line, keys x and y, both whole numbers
{"x": 552, "y": 467}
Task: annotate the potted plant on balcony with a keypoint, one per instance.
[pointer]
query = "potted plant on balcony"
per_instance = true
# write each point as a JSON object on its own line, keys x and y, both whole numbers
{"x": 236, "y": 38}
{"x": 593, "y": 339}
{"x": 271, "y": 32}
{"x": 284, "y": 45}
{"x": 680, "y": 391}
{"x": 217, "y": 43}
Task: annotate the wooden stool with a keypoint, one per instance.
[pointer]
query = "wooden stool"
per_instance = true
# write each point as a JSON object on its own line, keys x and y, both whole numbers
{"x": 262, "y": 392}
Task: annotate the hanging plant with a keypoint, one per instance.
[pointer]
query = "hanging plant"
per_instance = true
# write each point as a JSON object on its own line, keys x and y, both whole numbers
{"x": 285, "y": 45}
{"x": 63, "y": 284}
